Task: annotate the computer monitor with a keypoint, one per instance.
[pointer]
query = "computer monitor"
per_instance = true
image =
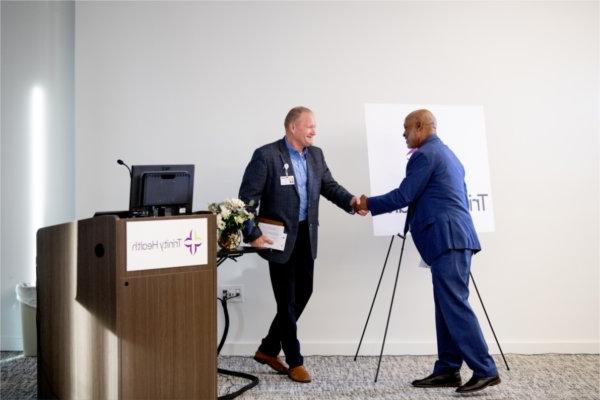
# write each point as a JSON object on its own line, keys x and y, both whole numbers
{"x": 158, "y": 190}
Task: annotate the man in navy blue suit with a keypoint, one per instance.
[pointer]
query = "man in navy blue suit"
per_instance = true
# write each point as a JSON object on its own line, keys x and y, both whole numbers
{"x": 438, "y": 218}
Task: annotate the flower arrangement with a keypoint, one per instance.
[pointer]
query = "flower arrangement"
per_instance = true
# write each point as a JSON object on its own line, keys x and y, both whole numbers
{"x": 231, "y": 215}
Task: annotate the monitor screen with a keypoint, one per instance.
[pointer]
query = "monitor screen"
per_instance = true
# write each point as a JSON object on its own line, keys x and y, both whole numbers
{"x": 161, "y": 189}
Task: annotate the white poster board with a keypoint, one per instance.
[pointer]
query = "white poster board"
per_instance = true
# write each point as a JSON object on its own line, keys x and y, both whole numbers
{"x": 462, "y": 128}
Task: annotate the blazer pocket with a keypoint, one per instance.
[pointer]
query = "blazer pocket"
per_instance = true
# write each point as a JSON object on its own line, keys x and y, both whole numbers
{"x": 428, "y": 223}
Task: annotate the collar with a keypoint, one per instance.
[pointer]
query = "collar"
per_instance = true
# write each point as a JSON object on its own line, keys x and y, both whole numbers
{"x": 431, "y": 138}
{"x": 291, "y": 148}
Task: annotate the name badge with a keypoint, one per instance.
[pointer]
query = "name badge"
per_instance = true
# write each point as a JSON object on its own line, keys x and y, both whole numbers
{"x": 287, "y": 180}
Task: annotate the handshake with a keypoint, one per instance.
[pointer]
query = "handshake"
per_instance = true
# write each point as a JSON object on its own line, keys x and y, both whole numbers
{"x": 360, "y": 205}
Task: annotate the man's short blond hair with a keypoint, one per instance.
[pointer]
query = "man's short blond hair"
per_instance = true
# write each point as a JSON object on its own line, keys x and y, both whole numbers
{"x": 293, "y": 115}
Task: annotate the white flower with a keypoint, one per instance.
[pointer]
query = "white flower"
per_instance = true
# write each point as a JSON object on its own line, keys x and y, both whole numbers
{"x": 220, "y": 222}
{"x": 228, "y": 203}
{"x": 225, "y": 211}
{"x": 213, "y": 208}
{"x": 239, "y": 204}
{"x": 230, "y": 212}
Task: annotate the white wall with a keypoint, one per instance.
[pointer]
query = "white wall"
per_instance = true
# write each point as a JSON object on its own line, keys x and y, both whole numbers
{"x": 38, "y": 143}
{"x": 206, "y": 83}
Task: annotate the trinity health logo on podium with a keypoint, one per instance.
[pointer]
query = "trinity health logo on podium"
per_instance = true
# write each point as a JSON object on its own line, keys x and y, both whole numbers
{"x": 193, "y": 241}
{"x": 161, "y": 244}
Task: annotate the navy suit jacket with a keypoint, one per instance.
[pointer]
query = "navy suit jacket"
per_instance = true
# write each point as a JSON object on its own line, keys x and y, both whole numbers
{"x": 261, "y": 187}
{"x": 435, "y": 192}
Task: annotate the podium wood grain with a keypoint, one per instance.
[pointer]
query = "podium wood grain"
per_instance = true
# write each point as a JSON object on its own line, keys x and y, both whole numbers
{"x": 105, "y": 332}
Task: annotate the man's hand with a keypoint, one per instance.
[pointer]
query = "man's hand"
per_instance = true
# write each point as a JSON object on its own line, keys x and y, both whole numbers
{"x": 261, "y": 242}
{"x": 364, "y": 203}
{"x": 360, "y": 205}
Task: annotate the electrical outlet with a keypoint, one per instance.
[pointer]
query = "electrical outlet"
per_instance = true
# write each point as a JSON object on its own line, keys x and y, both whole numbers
{"x": 234, "y": 293}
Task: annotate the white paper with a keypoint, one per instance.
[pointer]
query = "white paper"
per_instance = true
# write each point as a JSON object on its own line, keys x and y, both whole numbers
{"x": 275, "y": 233}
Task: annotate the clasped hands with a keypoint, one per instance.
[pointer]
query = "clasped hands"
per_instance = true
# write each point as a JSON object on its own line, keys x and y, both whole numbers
{"x": 360, "y": 205}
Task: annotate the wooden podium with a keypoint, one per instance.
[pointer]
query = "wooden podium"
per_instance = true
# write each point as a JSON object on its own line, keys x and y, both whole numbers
{"x": 108, "y": 332}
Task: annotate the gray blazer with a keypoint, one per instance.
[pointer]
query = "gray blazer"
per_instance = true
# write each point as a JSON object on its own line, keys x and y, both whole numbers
{"x": 261, "y": 188}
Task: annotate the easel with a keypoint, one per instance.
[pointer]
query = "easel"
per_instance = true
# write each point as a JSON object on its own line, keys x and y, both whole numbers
{"x": 403, "y": 237}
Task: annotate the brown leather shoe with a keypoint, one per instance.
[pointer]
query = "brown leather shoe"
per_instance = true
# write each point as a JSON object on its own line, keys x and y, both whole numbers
{"x": 299, "y": 374}
{"x": 273, "y": 362}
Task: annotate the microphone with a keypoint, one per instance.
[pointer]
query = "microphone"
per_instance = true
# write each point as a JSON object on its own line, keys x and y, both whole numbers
{"x": 120, "y": 162}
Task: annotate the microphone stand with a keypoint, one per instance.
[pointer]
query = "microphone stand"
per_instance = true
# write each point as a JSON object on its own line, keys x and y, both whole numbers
{"x": 121, "y": 162}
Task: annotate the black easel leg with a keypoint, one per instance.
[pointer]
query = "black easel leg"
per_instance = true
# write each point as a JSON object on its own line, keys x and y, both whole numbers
{"x": 488, "y": 320}
{"x": 374, "y": 297}
{"x": 391, "y": 305}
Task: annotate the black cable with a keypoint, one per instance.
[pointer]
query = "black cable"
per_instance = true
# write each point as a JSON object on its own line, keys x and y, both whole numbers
{"x": 226, "y": 328}
{"x": 254, "y": 379}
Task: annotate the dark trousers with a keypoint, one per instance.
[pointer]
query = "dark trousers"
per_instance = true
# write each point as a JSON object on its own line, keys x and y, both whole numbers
{"x": 292, "y": 285}
{"x": 459, "y": 336}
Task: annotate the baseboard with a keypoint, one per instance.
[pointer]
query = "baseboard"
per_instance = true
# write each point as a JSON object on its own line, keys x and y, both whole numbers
{"x": 11, "y": 343}
{"x": 15, "y": 343}
{"x": 419, "y": 348}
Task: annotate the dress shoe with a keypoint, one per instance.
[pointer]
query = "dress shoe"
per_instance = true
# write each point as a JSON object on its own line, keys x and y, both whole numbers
{"x": 299, "y": 374}
{"x": 448, "y": 379}
{"x": 476, "y": 384}
{"x": 272, "y": 362}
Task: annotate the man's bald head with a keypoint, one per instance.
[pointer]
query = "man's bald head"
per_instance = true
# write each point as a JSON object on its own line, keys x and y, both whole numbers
{"x": 425, "y": 118}
{"x": 418, "y": 126}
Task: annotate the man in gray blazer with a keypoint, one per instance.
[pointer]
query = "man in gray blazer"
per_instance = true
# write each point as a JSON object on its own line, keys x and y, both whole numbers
{"x": 286, "y": 179}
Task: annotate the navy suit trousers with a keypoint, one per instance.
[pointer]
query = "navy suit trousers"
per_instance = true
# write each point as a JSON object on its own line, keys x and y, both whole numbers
{"x": 292, "y": 285}
{"x": 459, "y": 336}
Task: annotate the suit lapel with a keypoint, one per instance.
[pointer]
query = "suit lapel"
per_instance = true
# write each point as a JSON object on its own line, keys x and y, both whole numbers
{"x": 286, "y": 159}
{"x": 310, "y": 175}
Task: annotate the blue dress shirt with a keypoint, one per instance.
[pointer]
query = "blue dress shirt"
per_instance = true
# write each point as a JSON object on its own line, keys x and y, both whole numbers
{"x": 301, "y": 177}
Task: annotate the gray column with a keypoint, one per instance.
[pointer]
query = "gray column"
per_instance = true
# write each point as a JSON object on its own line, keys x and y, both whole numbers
{"x": 38, "y": 139}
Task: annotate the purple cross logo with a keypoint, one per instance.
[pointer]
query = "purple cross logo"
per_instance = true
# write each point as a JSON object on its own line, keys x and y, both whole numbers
{"x": 192, "y": 242}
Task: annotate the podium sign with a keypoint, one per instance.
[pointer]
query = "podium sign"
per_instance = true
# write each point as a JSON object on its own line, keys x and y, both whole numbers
{"x": 112, "y": 325}
{"x": 166, "y": 244}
